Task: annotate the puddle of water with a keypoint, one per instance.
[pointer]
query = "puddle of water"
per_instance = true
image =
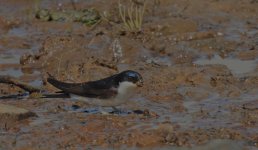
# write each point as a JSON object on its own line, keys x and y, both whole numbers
{"x": 213, "y": 108}
{"x": 36, "y": 83}
{"x": 9, "y": 58}
{"x": 75, "y": 108}
{"x": 12, "y": 72}
{"x": 234, "y": 30}
{"x": 237, "y": 67}
{"x": 100, "y": 110}
{"x": 19, "y": 32}
{"x": 18, "y": 72}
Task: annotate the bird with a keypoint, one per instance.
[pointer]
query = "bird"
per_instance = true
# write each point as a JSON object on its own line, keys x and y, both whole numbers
{"x": 108, "y": 92}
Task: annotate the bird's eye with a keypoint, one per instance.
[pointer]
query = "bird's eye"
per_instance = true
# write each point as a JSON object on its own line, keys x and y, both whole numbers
{"x": 130, "y": 77}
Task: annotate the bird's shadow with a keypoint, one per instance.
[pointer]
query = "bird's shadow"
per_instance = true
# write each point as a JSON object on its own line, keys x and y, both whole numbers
{"x": 107, "y": 111}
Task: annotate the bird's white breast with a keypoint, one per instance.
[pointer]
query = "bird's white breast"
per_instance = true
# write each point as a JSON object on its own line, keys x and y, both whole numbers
{"x": 124, "y": 91}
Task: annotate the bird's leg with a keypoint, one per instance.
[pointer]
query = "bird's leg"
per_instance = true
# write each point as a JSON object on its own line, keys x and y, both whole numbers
{"x": 116, "y": 110}
{"x": 102, "y": 111}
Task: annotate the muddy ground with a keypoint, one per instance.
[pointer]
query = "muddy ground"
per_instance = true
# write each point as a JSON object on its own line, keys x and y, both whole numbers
{"x": 198, "y": 60}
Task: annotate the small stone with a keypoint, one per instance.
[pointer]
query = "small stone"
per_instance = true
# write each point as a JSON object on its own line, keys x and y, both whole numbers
{"x": 220, "y": 34}
{"x": 251, "y": 105}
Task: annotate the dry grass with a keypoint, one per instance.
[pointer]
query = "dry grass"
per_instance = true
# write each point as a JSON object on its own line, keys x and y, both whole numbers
{"x": 132, "y": 16}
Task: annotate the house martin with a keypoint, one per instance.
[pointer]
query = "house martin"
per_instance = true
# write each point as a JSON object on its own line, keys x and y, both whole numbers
{"x": 108, "y": 92}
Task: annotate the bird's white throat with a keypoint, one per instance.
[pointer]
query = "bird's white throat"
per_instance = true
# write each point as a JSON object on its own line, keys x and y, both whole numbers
{"x": 124, "y": 91}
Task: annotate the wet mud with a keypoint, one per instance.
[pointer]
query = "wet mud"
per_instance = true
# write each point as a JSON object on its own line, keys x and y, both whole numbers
{"x": 198, "y": 60}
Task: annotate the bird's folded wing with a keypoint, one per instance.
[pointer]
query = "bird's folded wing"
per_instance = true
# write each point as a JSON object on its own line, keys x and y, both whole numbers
{"x": 88, "y": 89}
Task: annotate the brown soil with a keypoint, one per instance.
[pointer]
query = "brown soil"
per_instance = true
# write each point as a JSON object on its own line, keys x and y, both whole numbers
{"x": 184, "y": 104}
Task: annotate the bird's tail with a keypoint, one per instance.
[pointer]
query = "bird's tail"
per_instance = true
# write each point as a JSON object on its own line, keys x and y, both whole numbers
{"x": 59, "y": 84}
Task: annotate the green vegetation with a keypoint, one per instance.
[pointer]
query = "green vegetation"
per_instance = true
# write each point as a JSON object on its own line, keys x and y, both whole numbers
{"x": 86, "y": 16}
{"x": 132, "y": 16}
{"x": 37, "y": 5}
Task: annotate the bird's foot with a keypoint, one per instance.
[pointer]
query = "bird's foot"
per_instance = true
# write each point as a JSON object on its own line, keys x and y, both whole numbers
{"x": 103, "y": 112}
{"x": 118, "y": 111}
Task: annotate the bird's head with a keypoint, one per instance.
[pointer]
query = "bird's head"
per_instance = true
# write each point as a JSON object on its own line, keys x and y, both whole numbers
{"x": 130, "y": 76}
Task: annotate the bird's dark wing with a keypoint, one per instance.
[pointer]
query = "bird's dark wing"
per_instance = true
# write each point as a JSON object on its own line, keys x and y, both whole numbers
{"x": 94, "y": 89}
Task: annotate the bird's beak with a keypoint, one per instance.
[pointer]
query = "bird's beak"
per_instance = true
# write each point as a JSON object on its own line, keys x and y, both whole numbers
{"x": 140, "y": 83}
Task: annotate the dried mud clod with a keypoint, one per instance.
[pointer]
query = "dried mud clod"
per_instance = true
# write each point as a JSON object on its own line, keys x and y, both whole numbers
{"x": 10, "y": 115}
